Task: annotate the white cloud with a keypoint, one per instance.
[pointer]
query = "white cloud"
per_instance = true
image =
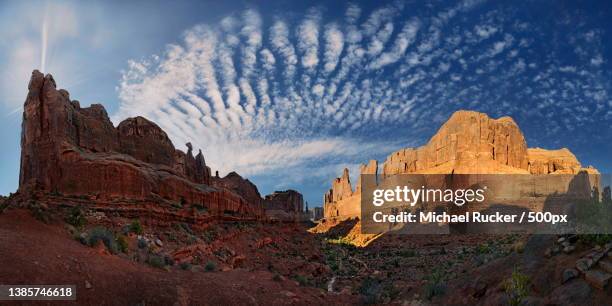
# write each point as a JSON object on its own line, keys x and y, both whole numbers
{"x": 334, "y": 43}
{"x": 308, "y": 40}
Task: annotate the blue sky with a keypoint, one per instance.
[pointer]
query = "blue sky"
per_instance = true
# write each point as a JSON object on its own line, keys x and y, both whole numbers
{"x": 288, "y": 94}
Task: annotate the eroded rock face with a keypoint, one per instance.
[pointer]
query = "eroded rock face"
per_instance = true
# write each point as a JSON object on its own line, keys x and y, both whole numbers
{"x": 370, "y": 168}
{"x": 145, "y": 141}
{"x": 71, "y": 150}
{"x": 469, "y": 142}
{"x": 288, "y": 200}
{"x": 285, "y": 206}
{"x": 561, "y": 161}
{"x": 236, "y": 183}
{"x": 341, "y": 188}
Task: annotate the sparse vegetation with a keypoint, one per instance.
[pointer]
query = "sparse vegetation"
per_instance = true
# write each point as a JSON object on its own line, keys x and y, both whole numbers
{"x": 76, "y": 217}
{"x": 595, "y": 239}
{"x": 136, "y": 227}
{"x": 376, "y": 291}
{"x": 39, "y": 212}
{"x": 185, "y": 266}
{"x": 122, "y": 244}
{"x": 435, "y": 285}
{"x": 210, "y": 266}
{"x": 301, "y": 279}
{"x": 102, "y": 234}
{"x": 517, "y": 287}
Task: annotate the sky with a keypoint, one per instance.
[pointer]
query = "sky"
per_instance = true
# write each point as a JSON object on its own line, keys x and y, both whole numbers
{"x": 288, "y": 94}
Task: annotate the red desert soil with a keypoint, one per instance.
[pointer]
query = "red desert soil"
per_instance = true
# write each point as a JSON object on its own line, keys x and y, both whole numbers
{"x": 33, "y": 252}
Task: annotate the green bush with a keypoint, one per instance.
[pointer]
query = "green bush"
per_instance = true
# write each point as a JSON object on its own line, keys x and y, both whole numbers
{"x": 102, "y": 234}
{"x": 301, "y": 279}
{"x": 435, "y": 285}
{"x": 371, "y": 289}
{"x": 185, "y": 266}
{"x": 122, "y": 244}
{"x": 517, "y": 287}
{"x": 76, "y": 217}
{"x": 136, "y": 227}
{"x": 210, "y": 266}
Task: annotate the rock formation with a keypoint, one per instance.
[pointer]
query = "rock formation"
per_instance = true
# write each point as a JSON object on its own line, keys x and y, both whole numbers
{"x": 288, "y": 200}
{"x": 370, "y": 168}
{"x": 234, "y": 182}
{"x": 560, "y": 161}
{"x": 341, "y": 188}
{"x": 287, "y": 206}
{"x": 76, "y": 151}
{"x": 471, "y": 142}
{"x": 468, "y": 143}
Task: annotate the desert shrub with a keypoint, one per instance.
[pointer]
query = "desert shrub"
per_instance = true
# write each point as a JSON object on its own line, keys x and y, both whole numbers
{"x": 102, "y": 234}
{"x": 301, "y": 279}
{"x": 136, "y": 227}
{"x": 595, "y": 239}
{"x": 343, "y": 241}
{"x": 142, "y": 243}
{"x": 371, "y": 289}
{"x": 276, "y": 277}
{"x": 210, "y": 266}
{"x": 39, "y": 212}
{"x": 185, "y": 266}
{"x": 156, "y": 261}
{"x": 76, "y": 217}
{"x": 122, "y": 244}
{"x": 169, "y": 260}
{"x": 517, "y": 287}
{"x": 435, "y": 285}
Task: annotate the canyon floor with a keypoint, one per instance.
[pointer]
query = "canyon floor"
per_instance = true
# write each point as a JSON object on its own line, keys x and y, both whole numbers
{"x": 280, "y": 263}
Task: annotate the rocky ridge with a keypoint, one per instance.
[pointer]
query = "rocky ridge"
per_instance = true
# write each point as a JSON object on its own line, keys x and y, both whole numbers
{"x": 74, "y": 152}
{"x": 468, "y": 143}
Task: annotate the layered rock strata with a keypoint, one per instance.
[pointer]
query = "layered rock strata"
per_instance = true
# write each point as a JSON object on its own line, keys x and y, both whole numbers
{"x": 468, "y": 143}
{"x": 74, "y": 151}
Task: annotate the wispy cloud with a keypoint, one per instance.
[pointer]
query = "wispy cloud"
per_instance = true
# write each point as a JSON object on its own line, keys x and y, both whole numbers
{"x": 268, "y": 95}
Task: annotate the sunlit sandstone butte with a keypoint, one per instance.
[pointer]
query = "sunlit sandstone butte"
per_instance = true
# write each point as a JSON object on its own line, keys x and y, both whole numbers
{"x": 468, "y": 143}
{"x": 71, "y": 152}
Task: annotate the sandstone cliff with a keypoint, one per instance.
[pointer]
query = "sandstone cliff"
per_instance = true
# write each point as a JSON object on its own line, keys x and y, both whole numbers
{"x": 74, "y": 151}
{"x": 285, "y": 205}
{"x": 468, "y": 143}
{"x": 471, "y": 142}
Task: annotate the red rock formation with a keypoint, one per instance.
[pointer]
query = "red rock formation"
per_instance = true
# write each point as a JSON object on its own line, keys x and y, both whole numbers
{"x": 235, "y": 183}
{"x": 71, "y": 150}
{"x": 288, "y": 200}
{"x": 285, "y": 205}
